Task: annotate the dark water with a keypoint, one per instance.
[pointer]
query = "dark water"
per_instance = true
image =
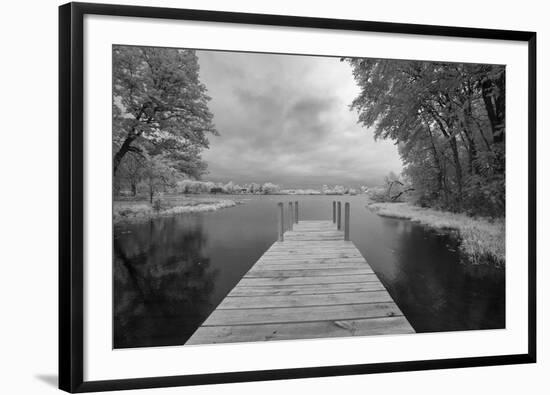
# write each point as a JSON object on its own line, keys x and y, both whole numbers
{"x": 170, "y": 273}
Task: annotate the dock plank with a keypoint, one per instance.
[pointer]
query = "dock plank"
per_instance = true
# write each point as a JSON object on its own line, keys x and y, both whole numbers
{"x": 317, "y": 272}
{"x": 312, "y": 266}
{"x": 270, "y": 301}
{"x": 250, "y": 282}
{"x": 306, "y": 289}
{"x": 303, "y": 313}
{"x": 312, "y": 260}
{"x": 339, "y": 257}
{"x": 301, "y": 330}
{"x": 311, "y": 269}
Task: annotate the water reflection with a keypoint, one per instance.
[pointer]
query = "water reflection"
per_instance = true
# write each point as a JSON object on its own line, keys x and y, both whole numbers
{"x": 436, "y": 287}
{"x": 162, "y": 283}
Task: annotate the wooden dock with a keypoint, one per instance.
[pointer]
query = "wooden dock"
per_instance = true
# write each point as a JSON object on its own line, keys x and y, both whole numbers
{"x": 312, "y": 283}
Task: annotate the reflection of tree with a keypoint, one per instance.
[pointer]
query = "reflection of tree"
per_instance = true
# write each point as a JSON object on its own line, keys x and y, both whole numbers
{"x": 436, "y": 291}
{"x": 162, "y": 282}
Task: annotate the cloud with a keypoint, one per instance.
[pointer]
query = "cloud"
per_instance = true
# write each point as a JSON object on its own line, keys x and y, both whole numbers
{"x": 286, "y": 119}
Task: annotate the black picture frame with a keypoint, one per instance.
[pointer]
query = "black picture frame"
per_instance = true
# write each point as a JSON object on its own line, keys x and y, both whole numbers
{"x": 71, "y": 195}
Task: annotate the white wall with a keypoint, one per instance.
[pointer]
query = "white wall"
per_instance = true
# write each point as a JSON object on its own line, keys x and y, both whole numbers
{"x": 28, "y": 141}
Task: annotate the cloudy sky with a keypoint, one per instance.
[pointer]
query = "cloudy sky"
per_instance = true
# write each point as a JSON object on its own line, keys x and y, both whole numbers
{"x": 286, "y": 119}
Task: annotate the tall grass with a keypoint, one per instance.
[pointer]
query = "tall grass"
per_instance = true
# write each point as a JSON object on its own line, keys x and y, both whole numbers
{"x": 134, "y": 211}
{"x": 482, "y": 239}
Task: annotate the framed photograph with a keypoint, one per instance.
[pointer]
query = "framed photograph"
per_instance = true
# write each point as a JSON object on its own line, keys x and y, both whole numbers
{"x": 251, "y": 197}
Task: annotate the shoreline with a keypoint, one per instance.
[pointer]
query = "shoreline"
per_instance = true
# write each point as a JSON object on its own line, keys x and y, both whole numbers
{"x": 482, "y": 240}
{"x": 135, "y": 211}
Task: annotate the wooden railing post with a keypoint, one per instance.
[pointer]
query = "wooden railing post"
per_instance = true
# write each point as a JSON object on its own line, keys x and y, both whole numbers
{"x": 296, "y": 212}
{"x": 339, "y": 219}
{"x": 334, "y": 212}
{"x": 281, "y": 225}
{"x": 346, "y": 222}
{"x": 290, "y": 216}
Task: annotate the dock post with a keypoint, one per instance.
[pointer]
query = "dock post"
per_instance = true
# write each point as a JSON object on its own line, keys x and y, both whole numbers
{"x": 339, "y": 218}
{"x": 290, "y": 216}
{"x": 346, "y": 222}
{"x": 296, "y": 212}
{"x": 281, "y": 224}
{"x": 334, "y": 212}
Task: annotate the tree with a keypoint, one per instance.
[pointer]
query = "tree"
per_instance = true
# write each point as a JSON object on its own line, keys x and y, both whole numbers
{"x": 160, "y": 107}
{"x": 253, "y": 187}
{"x": 448, "y": 122}
{"x": 229, "y": 187}
{"x": 157, "y": 177}
{"x": 131, "y": 171}
{"x": 393, "y": 182}
{"x": 269, "y": 188}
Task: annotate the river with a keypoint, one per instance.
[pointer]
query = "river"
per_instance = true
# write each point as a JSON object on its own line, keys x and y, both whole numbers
{"x": 171, "y": 272}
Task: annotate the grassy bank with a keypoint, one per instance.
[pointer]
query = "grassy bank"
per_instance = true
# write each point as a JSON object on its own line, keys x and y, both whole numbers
{"x": 482, "y": 239}
{"x": 136, "y": 210}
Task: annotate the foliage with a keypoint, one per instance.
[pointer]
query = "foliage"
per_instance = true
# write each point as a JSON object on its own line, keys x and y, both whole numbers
{"x": 160, "y": 117}
{"x": 269, "y": 188}
{"x": 157, "y": 205}
{"x": 396, "y": 189}
{"x": 377, "y": 194}
{"x": 338, "y": 190}
{"x": 193, "y": 186}
{"x": 447, "y": 120}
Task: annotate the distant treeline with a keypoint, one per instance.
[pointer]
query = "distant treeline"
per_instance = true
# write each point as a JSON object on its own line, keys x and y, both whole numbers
{"x": 448, "y": 120}
{"x": 189, "y": 186}
{"x": 193, "y": 186}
